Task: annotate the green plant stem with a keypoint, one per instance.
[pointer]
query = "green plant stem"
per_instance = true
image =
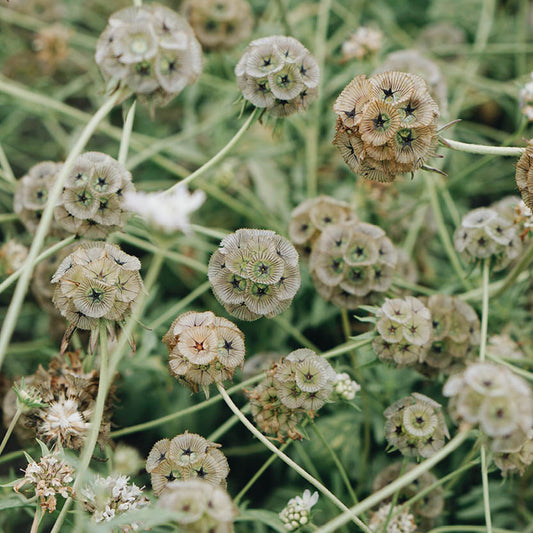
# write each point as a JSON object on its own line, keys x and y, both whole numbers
{"x": 399, "y": 483}
{"x": 22, "y": 286}
{"x": 293, "y": 332}
{"x": 511, "y": 151}
{"x": 6, "y": 167}
{"x": 12, "y": 455}
{"x": 336, "y": 460}
{"x": 221, "y": 153}
{"x": 287, "y": 460}
{"x": 443, "y": 232}
{"x": 126, "y": 133}
{"x": 494, "y": 288}
{"x": 44, "y": 255}
{"x": 283, "y": 16}
{"x": 521, "y": 372}
{"x": 8, "y": 217}
{"x": 10, "y": 429}
{"x": 468, "y": 529}
{"x": 37, "y": 517}
{"x": 524, "y": 262}
{"x": 484, "y": 310}
{"x": 486, "y": 495}
{"x": 339, "y": 350}
{"x": 209, "y": 232}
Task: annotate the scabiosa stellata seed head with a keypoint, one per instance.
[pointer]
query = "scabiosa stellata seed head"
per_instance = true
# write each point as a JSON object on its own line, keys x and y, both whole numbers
{"x": 312, "y": 217}
{"x": 381, "y": 520}
{"x": 12, "y": 257}
{"x": 203, "y": 349}
{"x": 517, "y": 460}
{"x": 278, "y": 73}
{"x": 298, "y": 384}
{"x": 404, "y": 330}
{"x": 297, "y": 512}
{"x": 108, "y": 497}
{"x": 365, "y": 41}
{"x": 31, "y": 196}
{"x": 254, "y": 273}
{"x": 49, "y": 477}
{"x": 97, "y": 281}
{"x": 91, "y": 203}
{"x": 219, "y": 24}
{"x": 526, "y": 99}
{"x": 454, "y": 336}
{"x": 386, "y": 125}
{"x": 201, "y": 506}
{"x": 151, "y": 50}
{"x": 351, "y": 262}
{"x": 485, "y": 234}
{"x": 186, "y": 456}
{"x": 524, "y": 175}
{"x": 495, "y": 399}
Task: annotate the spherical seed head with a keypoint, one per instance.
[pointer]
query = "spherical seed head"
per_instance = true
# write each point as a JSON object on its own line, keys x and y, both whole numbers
{"x": 96, "y": 281}
{"x": 150, "y": 49}
{"x": 279, "y": 74}
{"x": 402, "y": 522}
{"x": 516, "y": 459}
{"x": 31, "y": 196}
{"x": 254, "y": 273}
{"x": 387, "y": 125}
{"x": 204, "y": 349}
{"x": 219, "y": 24}
{"x": 524, "y": 175}
{"x": 12, "y": 257}
{"x": 365, "y": 41}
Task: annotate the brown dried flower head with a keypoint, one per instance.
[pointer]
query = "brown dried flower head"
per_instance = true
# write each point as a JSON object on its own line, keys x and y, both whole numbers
{"x": 12, "y": 257}
{"x": 386, "y": 125}
{"x": 254, "y": 273}
{"x": 204, "y": 349}
{"x": 312, "y": 217}
{"x": 219, "y": 24}
{"x": 186, "y": 456}
{"x": 524, "y": 175}
{"x": 151, "y": 50}
{"x": 51, "y": 45}
{"x": 31, "y": 196}
{"x": 278, "y": 73}
{"x": 351, "y": 262}
{"x": 91, "y": 204}
{"x": 97, "y": 281}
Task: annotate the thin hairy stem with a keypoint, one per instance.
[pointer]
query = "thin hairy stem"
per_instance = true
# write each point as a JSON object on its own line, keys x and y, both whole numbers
{"x": 287, "y": 460}
{"x": 511, "y": 151}
{"x": 512, "y": 277}
{"x": 10, "y": 429}
{"x": 126, "y": 134}
{"x": 484, "y": 310}
{"x": 6, "y": 167}
{"x": 486, "y": 495}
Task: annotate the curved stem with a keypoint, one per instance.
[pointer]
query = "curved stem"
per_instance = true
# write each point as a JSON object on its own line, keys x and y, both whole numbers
{"x": 524, "y": 262}
{"x": 399, "y": 483}
{"x": 520, "y": 371}
{"x": 483, "y": 149}
{"x": 10, "y": 429}
{"x": 22, "y": 286}
{"x": 485, "y": 310}
{"x": 126, "y": 134}
{"x": 220, "y": 155}
{"x": 287, "y": 460}
{"x": 486, "y": 495}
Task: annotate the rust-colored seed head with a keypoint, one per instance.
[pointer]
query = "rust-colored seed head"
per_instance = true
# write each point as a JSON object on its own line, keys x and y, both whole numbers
{"x": 386, "y": 125}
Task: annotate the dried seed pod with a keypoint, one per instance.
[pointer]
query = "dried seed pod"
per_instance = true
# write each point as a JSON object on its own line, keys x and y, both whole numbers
{"x": 386, "y": 125}
{"x": 219, "y": 24}
{"x": 150, "y": 49}
{"x": 254, "y": 273}
{"x": 518, "y": 460}
{"x": 524, "y": 175}
{"x": 203, "y": 349}
{"x": 415, "y": 425}
{"x": 278, "y": 73}
{"x": 365, "y": 41}
{"x": 31, "y": 196}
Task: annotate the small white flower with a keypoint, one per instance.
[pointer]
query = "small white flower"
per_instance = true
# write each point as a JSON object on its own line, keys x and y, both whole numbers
{"x": 168, "y": 211}
{"x": 345, "y": 387}
{"x": 298, "y": 510}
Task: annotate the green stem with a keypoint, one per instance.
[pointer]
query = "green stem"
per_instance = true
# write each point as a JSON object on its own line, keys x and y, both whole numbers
{"x": 47, "y": 253}
{"x": 12, "y": 455}
{"x": 8, "y": 217}
{"x": 126, "y": 134}
{"x": 521, "y": 372}
{"x": 294, "y": 333}
{"x": 37, "y": 517}
{"x": 287, "y": 460}
{"x": 484, "y": 310}
{"x": 220, "y": 155}
{"x": 399, "y": 483}
{"x": 22, "y": 286}
{"x": 486, "y": 495}
{"x": 10, "y": 429}
{"x": 468, "y": 529}
{"x": 524, "y": 262}
{"x": 443, "y": 232}
{"x": 6, "y": 167}
{"x": 209, "y": 232}
{"x": 512, "y": 151}
{"x": 336, "y": 460}
{"x": 284, "y": 20}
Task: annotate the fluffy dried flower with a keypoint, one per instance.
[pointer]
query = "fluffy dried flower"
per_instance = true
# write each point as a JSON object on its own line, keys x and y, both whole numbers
{"x": 203, "y": 507}
{"x": 297, "y": 512}
{"x": 31, "y": 196}
{"x": 92, "y": 201}
{"x": 151, "y": 50}
{"x": 278, "y": 73}
{"x": 254, "y": 273}
{"x": 403, "y": 522}
{"x": 50, "y": 476}
{"x": 204, "y": 349}
{"x": 185, "y": 457}
{"x": 108, "y": 497}
{"x": 386, "y": 125}
{"x": 494, "y": 398}
{"x": 165, "y": 211}
{"x": 352, "y": 262}
{"x": 12, "y": 257}
{"x": 363, "y": 42}
{"x": 415, "y": 425}
{"x": 219, "y": 24}
{"x": 97, "y": 281}
{"x": 485, "y": 234}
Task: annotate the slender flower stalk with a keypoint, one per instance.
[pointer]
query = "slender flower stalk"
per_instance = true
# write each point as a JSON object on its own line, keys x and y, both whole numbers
{"x": 10, "y": 429}
{"x": 486, "y": 495}
{"x": 485, "y": 310}
{"x": 511, "y": 151}
{"x": 126, "y": 134}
